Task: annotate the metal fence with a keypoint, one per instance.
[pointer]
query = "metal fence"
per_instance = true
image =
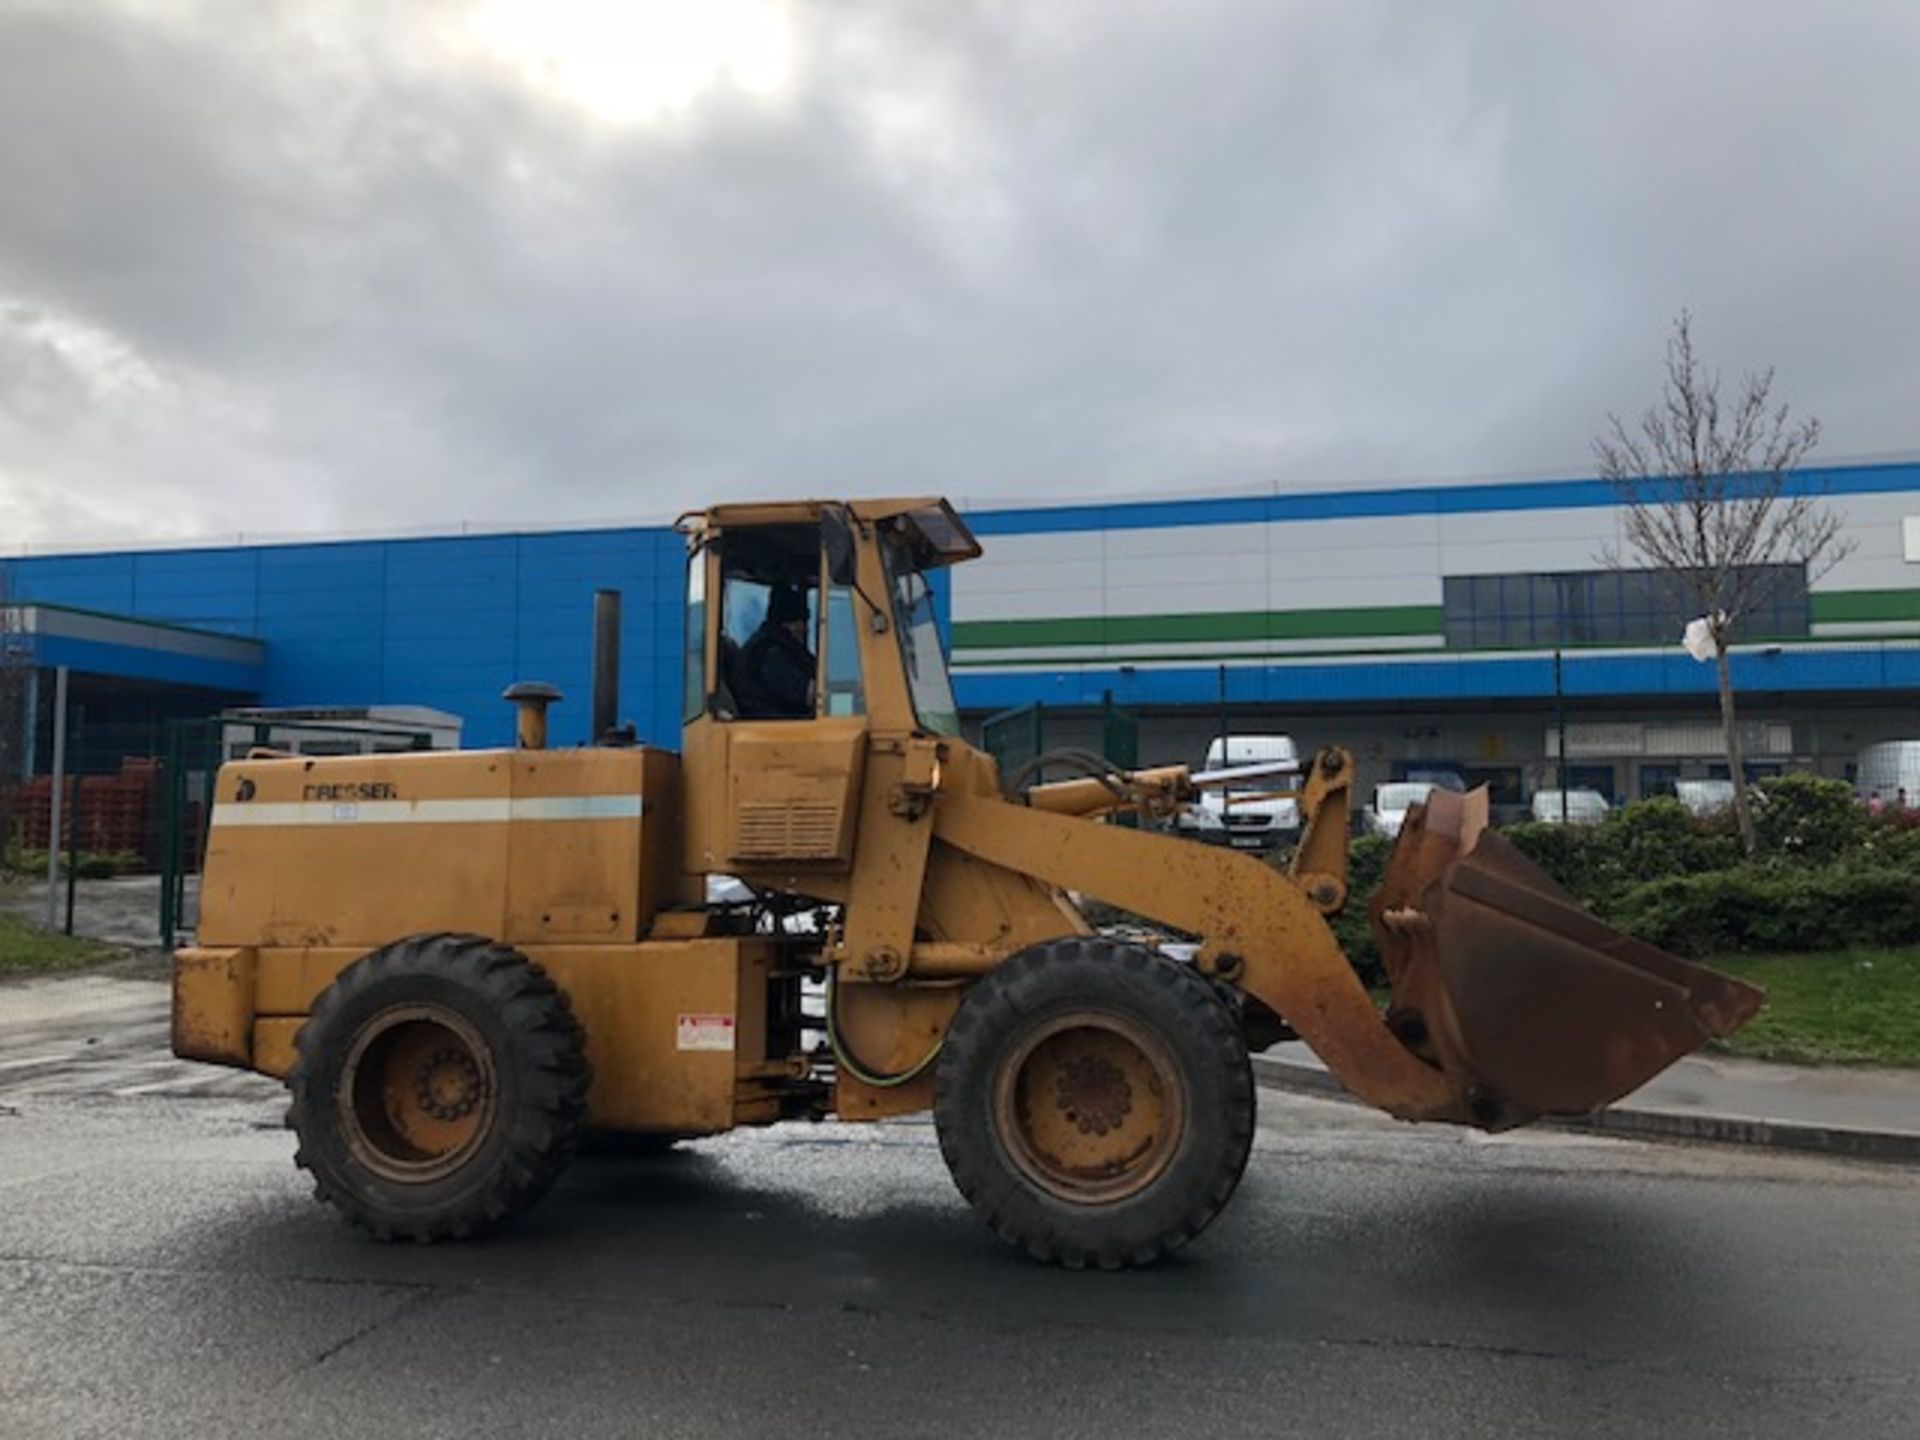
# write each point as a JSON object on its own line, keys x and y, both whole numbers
{"x": 1014, "y": 738}
{"x": 1018, "y": 737}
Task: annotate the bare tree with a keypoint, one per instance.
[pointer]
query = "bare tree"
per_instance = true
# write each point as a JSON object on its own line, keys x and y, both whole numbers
{"x": 1712, "y": 504}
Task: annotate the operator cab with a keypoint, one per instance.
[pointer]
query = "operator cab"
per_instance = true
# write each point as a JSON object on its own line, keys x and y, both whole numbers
{"x": 789, "y": 576}
{"x": 811, "y": 628}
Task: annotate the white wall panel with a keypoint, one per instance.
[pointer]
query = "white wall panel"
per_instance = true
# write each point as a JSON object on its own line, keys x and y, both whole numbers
{"x": 1357, "y": 565}
{"x": 1026, "y": 604}
{"x": 1241, "y": 568}
{"x": 1315, "y": 594}
{"x": 1361, "y": 536}
{"x": 1875, "y": 524}
{"x": 1185, "y": 541}
{"x": 1345, "y": 563}
{"x": 1581, "y": 532}
{"x": 1169, "y": 595}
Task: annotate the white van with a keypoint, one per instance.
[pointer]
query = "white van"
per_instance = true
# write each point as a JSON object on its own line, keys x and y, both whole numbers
{"x": 1583, "y": 807}
{"x": 1392, "y": 800}
{"x": 1704, "y": 797}
{"x": 1226, "y": 815}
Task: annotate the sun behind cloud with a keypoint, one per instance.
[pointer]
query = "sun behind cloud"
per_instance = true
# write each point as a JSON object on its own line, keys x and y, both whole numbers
{"x": 632, "y": 61}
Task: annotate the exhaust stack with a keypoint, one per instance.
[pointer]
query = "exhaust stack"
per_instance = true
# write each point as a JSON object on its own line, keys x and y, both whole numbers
{"x": 606, "y": 667}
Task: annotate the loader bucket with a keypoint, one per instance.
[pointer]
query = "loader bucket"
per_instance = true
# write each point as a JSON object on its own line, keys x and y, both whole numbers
{"x": 1530, "y": 1004}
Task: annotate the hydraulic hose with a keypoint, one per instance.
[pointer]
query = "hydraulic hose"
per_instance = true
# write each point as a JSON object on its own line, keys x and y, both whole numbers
{"x": 844, "y": 1057}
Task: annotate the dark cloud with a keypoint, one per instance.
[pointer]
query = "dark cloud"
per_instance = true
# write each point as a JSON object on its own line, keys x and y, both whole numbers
{"x": 304, "y": 266}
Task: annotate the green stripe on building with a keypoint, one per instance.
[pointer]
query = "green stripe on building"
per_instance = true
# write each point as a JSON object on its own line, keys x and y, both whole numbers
{"x": 1226, "y": 625}
{"x": 1842, "y": 607}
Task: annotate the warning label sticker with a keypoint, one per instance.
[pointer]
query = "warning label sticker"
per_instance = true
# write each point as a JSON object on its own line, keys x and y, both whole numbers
{"x": 705, "y": 1032}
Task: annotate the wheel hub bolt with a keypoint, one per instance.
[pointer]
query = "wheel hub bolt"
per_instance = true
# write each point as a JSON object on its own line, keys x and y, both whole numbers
{"x": 448, "y": 1086}
{"x": 1094, "y": 1095}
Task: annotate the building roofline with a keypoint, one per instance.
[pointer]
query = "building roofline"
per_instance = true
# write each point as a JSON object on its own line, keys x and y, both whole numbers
{"x": 1261, "y": 507}
{"x": 198, "y": 631}
{"x": 990, "y": 515}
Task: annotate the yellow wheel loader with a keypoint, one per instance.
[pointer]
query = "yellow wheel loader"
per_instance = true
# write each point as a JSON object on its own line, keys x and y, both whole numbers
{"x": 463, "y": 961}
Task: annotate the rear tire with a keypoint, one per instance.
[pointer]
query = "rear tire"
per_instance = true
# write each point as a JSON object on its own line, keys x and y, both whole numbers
{"x": 439, "y": 1088}
{"x": 1094, "y": 1102}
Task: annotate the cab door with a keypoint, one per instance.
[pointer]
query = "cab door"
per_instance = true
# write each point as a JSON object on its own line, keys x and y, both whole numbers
{"x": 766, "y": 788}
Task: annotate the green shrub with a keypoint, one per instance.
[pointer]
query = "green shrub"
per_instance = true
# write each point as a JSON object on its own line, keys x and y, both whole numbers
{"x": 1773, "y": 908}
{"x": 1892, "y": 840}
{"x": 1566, "y": 852}
{"x": 28, "y": 861}
{"x": 1648, "y": 841}
{"x": 1801, "y": 820}
{"x": 1808, "y": 820}
{"x": 91, "y": 864}
{"x": 1366, "y": 867}
{"x": 1827, "y": 874}
{"x": 1658, "y": 838}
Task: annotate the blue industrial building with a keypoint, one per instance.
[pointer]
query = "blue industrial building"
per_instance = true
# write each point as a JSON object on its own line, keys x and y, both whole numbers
{"x": 445, "y": 622}
{"x": 1408, "y": 622}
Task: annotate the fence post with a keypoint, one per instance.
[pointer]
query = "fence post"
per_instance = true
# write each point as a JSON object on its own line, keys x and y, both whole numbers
{"x": 73, "y": 815}
{"x": 212, "y": 748}
{"x": 56, "y": 794}
{"x": 73, "y": 851}
{"x": 170, "y": 785}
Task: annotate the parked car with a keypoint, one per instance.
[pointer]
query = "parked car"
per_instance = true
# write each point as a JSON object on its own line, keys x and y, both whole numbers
{"x": 1583, "y": 807}
{"x": 1442, "y": 777}
{"x": 1704, "y": 797}
{"x": 1230, "y": 815}
{"x": 1391, "y": 802}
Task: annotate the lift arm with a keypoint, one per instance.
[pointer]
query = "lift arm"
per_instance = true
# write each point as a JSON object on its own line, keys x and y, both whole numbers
{"x": 1258, "y": 931}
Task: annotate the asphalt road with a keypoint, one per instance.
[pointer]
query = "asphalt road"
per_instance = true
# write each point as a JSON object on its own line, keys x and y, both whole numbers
{"x": 163, "y": 1271}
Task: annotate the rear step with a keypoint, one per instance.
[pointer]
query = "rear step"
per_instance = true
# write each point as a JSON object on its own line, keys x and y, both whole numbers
{"x": 1530, "y": 1004}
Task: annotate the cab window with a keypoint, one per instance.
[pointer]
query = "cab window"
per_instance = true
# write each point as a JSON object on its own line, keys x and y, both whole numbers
{"x": 846, "y": 691}
{"x": 788, "y": 647}
{"x": 693, "y": 698}
{"x": 915, "y": 619}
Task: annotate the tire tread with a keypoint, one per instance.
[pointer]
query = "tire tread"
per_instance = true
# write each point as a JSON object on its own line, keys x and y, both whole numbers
{"x": 1087, "y": 970}
{"x": 545, "y": 1045}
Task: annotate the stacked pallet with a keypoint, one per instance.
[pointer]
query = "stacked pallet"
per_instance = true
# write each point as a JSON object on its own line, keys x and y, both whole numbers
{"x": 116, "y": 813}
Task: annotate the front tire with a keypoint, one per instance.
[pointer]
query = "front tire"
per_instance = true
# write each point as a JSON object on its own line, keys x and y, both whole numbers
{"x": 439, "y": 1088}
{"x": 1095, "y": 1103}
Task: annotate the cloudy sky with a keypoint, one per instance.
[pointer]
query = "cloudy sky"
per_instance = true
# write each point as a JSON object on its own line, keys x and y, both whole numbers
{"x": 294, "y": 267}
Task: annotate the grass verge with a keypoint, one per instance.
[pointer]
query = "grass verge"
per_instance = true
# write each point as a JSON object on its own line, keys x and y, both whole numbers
{"x": 28, "y": 950}
{"x": 1845, "y": 1007}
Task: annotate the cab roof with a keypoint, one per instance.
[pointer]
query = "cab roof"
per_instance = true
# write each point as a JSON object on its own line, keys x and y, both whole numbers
{"x": 938, "y": 535}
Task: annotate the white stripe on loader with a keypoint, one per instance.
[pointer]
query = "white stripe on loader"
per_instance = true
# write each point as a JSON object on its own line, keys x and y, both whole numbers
{"x": 585, "y": 807}
{"x": 489, "y": 811}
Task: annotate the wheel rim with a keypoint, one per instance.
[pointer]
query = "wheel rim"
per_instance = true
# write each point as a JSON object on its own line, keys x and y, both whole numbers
{"x": 418, "y": 1093}
{"x": 1091, "y": 1107}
